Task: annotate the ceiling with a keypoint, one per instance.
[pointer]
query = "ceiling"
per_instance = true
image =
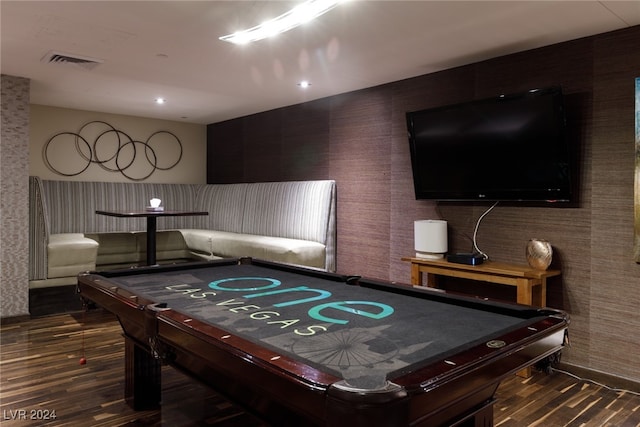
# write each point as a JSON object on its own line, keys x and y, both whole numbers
{"x": 170, "y": 49}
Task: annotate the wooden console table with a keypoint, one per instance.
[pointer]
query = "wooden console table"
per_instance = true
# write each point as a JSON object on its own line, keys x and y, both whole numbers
{"x": 531, "y": 284}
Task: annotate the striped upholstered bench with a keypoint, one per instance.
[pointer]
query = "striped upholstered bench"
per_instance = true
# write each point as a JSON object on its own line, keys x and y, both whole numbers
{"x": 291, "y": 222}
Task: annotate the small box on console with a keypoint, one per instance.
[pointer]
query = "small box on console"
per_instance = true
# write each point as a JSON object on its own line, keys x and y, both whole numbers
{"x": 466, "y": 258}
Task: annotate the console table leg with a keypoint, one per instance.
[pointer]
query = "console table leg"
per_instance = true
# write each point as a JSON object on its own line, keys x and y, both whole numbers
{"x": 525, "y": 296}
{"x": 416, "y": 275}
{"x": 542, "y": 301}
{"x": 524, "y": 292}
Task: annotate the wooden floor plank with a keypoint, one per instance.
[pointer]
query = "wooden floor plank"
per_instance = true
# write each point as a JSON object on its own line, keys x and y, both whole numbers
{"x": 40, "y": 370}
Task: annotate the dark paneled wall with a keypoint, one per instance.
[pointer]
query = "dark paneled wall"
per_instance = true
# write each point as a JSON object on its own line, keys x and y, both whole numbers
{"x": 614, "y": 291}
{"x": 359, "y": 139}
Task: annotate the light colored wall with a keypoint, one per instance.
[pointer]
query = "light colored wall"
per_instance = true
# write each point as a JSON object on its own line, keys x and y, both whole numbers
{"x": 104, "y": 135}
{"x": 25, "y": 131}
{"x": 14, "y": 191}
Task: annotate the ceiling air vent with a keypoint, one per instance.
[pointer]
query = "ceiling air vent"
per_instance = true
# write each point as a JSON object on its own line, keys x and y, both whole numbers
{"x": 85, "y": 62}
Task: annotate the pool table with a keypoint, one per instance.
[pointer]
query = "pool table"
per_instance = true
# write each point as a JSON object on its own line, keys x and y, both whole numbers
{"x": 303, "y": 347}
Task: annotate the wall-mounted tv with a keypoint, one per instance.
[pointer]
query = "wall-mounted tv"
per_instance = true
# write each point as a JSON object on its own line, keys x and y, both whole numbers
{"x": 505, "y": 148}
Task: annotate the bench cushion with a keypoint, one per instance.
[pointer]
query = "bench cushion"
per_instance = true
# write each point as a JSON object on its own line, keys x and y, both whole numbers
{"x": 116, "y": 248}
{"x": 131, "y": 247}
{"x": 211, "y": 244}
{"x": 70, "y": 253}
{"x": 170, "y": 245}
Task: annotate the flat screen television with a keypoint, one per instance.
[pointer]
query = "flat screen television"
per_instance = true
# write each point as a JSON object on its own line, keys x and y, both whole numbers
{"x": 505, "y": 148}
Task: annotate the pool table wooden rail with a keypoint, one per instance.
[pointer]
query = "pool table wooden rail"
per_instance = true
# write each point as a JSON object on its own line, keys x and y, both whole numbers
{"x": 260, "y": 377}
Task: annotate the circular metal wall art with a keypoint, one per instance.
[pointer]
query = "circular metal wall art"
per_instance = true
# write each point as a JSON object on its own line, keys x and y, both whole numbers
{"x": 63, "y": 139}
{"x": 111, "y": 149}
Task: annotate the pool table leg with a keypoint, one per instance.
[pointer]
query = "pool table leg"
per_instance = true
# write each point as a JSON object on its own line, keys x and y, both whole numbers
{"x": 484, "y": 417}
{"x": 142, "y": 377}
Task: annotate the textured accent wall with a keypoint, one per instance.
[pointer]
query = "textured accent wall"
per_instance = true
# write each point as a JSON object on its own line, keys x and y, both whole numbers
{"x": 360, "y": 140}
{"x": 14, "y": 188}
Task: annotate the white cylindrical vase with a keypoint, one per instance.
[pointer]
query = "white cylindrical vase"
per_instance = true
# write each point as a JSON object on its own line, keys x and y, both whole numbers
{"x": 430, "y": 238}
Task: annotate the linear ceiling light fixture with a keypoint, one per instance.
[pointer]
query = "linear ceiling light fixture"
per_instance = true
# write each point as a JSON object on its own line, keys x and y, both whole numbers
{"x": 300, "y": 14}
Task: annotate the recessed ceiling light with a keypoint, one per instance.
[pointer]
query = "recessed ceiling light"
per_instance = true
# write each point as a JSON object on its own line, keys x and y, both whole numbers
{"x": 160, "y": 100}
{"x": 300, "y": 14}
{"x": 304, "y": 84}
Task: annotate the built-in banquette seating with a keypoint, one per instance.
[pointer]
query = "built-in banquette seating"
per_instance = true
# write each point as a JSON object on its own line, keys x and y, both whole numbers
{"x": 290, "y": 222}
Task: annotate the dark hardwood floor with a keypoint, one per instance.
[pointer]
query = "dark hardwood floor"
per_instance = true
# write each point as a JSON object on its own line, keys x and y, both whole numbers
{"x": 40, "y": 375}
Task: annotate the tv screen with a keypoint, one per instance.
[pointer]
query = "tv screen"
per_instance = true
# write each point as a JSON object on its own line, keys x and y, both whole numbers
{"x": 506, "y": 148}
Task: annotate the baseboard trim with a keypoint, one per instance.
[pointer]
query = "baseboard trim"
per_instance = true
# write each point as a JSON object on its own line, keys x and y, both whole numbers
{"x": 600, "y": 377}
{"x": 14, "y": 319}
{"x": 54, "y": 300}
